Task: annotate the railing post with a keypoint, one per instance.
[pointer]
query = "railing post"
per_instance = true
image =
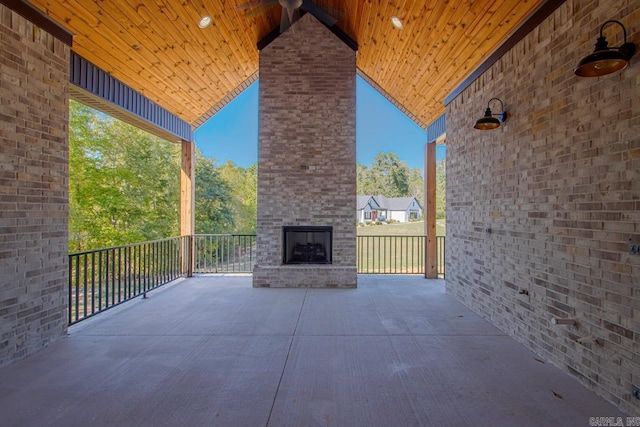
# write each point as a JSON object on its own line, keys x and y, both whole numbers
{"x": 191, "y": 250}
{"x": 430, "y": 211}
{"x": 187, "y": 201}
{"x": 187, "y": 257}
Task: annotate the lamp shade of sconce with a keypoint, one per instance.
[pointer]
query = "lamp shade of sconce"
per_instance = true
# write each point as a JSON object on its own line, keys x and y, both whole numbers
{"x": 491, "y": 121}
{"x": 606, "y": 60}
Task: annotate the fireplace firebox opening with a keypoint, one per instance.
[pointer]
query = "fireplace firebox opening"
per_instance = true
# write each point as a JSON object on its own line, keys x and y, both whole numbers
{"x": 307, "y": 245}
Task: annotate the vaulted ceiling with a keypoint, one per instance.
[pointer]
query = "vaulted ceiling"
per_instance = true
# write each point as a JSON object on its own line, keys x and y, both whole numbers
{"x": 157, "y": 48}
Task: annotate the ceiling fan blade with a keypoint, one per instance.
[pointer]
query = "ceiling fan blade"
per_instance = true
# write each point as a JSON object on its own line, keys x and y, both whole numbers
{"x": 258, "y": 10}
{"x": 285, "y": 23}
{"x": 253, "y": 3}
{"x": 294, "y": 16}
{"x": 319, "y": 13}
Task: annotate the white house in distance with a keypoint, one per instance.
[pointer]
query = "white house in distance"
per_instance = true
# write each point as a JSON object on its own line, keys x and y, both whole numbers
{"x": 381, "y": 208}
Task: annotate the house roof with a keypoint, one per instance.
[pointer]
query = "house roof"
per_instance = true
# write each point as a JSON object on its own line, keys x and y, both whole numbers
{"x": 389, "y": 203}
{"x": 362, "y": 201}
{"x": 400, "y": 203}
{"x": 156, "y": 47}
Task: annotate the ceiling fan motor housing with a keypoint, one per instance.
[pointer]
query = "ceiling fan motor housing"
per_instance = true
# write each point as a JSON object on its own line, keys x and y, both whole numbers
{"x": 290, "y": 4}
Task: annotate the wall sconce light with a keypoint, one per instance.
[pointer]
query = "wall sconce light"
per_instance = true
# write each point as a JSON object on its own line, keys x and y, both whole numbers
{"x": 604, "y": 59}
{"x": 489, "y": 122}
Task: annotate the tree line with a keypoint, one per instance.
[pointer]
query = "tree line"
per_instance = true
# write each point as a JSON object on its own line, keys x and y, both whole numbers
{"x": 124, "y": 185}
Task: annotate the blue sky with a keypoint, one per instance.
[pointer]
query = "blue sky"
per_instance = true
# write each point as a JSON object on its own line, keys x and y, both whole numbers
{"x": 232, "y": 134}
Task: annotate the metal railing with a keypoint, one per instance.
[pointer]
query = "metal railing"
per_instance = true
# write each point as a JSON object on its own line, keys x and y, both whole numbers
{"x": 390, "y": 254}
{"x": 224, "y": 253}
{"x": 232, "y": 253}
{"x": 103, "y": 278}
{"x": 396, "y": 255}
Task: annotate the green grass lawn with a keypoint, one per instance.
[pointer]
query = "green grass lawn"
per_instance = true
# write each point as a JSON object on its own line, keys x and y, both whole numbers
{"x": 401, "y": 229}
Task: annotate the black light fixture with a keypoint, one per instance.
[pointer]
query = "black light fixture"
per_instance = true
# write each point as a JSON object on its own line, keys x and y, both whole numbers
{"x": 604, "y": 59}
{"x": 491, "y": 121}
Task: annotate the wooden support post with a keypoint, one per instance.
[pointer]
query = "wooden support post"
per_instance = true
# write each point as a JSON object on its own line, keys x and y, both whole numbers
{"x": 187, "y": 201}
{"x": 431, "y": 271}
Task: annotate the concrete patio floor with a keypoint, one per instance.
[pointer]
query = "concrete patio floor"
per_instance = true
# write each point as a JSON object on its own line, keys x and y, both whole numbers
{"x": 212, "y": 350}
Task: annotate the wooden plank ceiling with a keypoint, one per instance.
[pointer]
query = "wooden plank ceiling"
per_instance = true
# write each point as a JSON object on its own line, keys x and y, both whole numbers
{"x": 157, "y": 48}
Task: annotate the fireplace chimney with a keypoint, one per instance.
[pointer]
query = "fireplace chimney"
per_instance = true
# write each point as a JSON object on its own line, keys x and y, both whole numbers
{"x": 306, "y": 234}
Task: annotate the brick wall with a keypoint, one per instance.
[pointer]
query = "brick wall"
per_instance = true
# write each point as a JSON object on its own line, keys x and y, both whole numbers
{"x": 559, "y": 185}
{"x": 33, "y": 187}
{"x": 307, "y": 153}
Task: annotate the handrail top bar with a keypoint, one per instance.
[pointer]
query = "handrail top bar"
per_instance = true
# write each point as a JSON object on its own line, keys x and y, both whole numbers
{"x": 130, "y": 245}
{"x": 392, "y": 235}
{"x": 226, "y": 235}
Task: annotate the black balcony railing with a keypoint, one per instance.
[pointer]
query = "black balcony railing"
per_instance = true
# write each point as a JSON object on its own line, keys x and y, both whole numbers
{"x": 231, "y": 253}
{"x": 224, "y": 253}
{"x": 397, "y": 255}
{"x": 104, "y": 278}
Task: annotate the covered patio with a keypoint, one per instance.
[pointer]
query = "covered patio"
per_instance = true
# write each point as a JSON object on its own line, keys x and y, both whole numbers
{"x": 212, "y": 350}
{"x": 543, "y": 215}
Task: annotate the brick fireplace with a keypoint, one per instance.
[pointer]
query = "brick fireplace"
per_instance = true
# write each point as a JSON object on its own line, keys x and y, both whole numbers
{"x": 307, "y": 158}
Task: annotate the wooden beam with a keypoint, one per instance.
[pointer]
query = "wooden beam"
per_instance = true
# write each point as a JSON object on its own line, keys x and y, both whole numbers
{"x": 187, "y": 200}
{"x": 187, "y": 189}
{"x": 431, "y": 271}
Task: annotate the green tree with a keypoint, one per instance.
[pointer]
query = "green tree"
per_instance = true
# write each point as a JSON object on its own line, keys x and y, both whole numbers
{"x": 416, "y": 185}
{"x": 243, "y": 184}
{"x": 123, "y": 182}
{"x": 387, "y": 175}
{"x": 391, "y": 174}
{"x": 364, "y": 183}
{"x": 213, "y": 214}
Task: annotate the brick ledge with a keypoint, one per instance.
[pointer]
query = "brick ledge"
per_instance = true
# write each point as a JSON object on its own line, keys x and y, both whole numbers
{"x": 305, "y": 276}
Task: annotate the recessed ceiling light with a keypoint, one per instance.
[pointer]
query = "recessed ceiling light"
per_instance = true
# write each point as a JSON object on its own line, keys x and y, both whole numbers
{"x": 204, "y": 22}
{"x": 397, "y": 22}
